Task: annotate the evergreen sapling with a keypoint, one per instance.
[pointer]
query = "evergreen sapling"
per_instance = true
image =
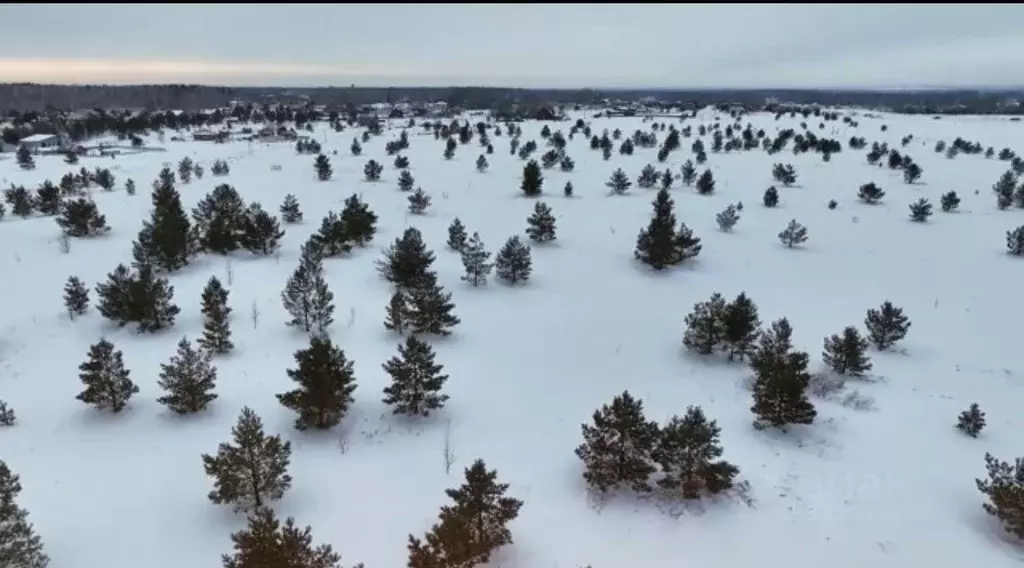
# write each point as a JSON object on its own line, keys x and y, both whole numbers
{"x": 188, "y": 379}
{"x": 253, "y": 470}
{"x": 107, "y": 382}
{"x": 846, "y": 354}
{"x": 76, "y": 297}
{"x": 416, "y": 380}
{"x": 886, "y": 325}
{"x": 971, "y": 421}
{"x": 541, "y": 223}
{"x": 513, "y": 263}
{"x": 475, "y": 261}
{"x": 326, "y": 382}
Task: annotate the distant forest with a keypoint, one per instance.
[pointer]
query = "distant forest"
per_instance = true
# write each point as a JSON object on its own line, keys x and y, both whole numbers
{"x": 36, "y": 97}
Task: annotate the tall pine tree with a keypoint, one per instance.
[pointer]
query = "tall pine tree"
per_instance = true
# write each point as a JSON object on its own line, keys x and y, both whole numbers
{"x": 107, "y": 382}
{"x": 171, "y": 231}
{"x": 20, "y": 546}
{"x": 189, "y": 379}
{"x": 430, "y": 308}
{"x": 416, "y": 380}
{"x": 617, "y": 449}
{"x": 266, "y": 543}
{"x": 251, "y": 471}
{"x": 781, "y": 380}
{"x": 306, "y": 296}
{"x": 216, "y": 328}
{"x": 326, "y": 383}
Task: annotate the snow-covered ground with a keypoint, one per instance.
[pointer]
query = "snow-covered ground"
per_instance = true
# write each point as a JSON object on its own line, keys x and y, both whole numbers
{"x": 893, "y": 486}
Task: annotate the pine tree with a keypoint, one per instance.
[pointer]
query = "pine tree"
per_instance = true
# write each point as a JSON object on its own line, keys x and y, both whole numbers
{"x": 171, "y": 237}
{"x": 950, "y": 201}
{"x": 326, "y": 383}
{"x": 76, "y": 297}
{"x": 251, "y": 471}
{"x": 846, "y": 354}
{"x": 217, "y": 329}
{"x": 322, "y": 165}
{"x": 333, "y": 237}
{"x": 114, "y": 299}
{"x": 481, "y": 164}
{"x": 20, "y": 200}
{"x": 189, "y": 379}
{"x": 728, "y": 218}
{"x": 666, "y": 179}
{"x": 920, "y": 210}
{"x": 648, "y": 177}
{"x": 619, "y": 183}
{"x": 886, "y": 325}
{"x": 152, "y": 301}
{"x": 971, "y": 421}
{"x": 306, "y": 296}
{"x": 401, "y": 162}
{"x": 741, "y": 327}
{"x": 705, "y": 325}
{"x": 406, "y": 181}
{"x": 107, "y": 382}
{"x": 24, "y": 158}
{"x": 781, "y": 380}
{"x": 656, "y": 245}
{"x": 617, "y": 449}
{"x": 689, "y": 173}
{"x": 1005, "y": 491}
{"x": 706, "y": 183}
{"x": 475, "y": 261}
{"x": 457, "y": 235}
{"x": 1015, "y": 241}
{"x": 219, "y": 220}
{"x": 20, "y": 546}
{"x": 47, "y": 199}
{"x": 430, "y": 307}
{"x": 793, "y": 234}
{"x": 870, "y": 193}
{"x": 80, "y": 218}
{"x": 567, "y": 191}
{"x": 185, "y": 170}
{"x": 359, "y": 222}
{"x": 416, "y": 380}
{"x": 398, "y": 312}
{"x": 784, "y": 174}
{"x": 261, "y": 231}
{"x": 290, "y": 211}
{"x": 687, "y": 450}
{"x": 265, "y": 543}
{"x": 7, "y": 416}
{"x": 356, "y": 147}
{"x": 418, "y": 201}
{"x": 406, "y": 260}
{"x": 541, "y": 224}
{"x": 771, "y": 197}
{"x": 533, "y": 180}
{"x": 513, "y": 262}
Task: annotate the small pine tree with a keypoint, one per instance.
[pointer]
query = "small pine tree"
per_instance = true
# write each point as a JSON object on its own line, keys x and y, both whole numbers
{"x": 322, "y": 166}
{"x": 781, "y": 380}
{"x": 619, "y": 183}
{"x": 406, "y": 260}
{"x": 870, "y": 193}
{"x": 418, "y": 201}
{"x": 290, "y": 212}
{"x": 689, "y": 173}
{"x": 475, "y": 261}
{"x": 80, "y": 218}
{"x": 372, "y": 170}
{"x": 356, "y": 147}
{"x": 728, "y": 218}
{"x": 20, "y": 546}
{"x": 920, "y": 210}
{"x": 687, "y": 450}
{"x": 416, "y": 380}
{"x": 1005, "y": 491}
{"x": 359, "y": 222}
{"x": 152, "y": 301}
{"x": 846, "y": 354}
{"x": 771, "y": 197}
{"x": 541, "y": 224}
{"x": 24, "y": 158}
{"x": 47, "y": 199}
{"x": 251, "y": 471}
{"x": 971, "y": 421}
{"x": 705, "y": 325}
{"x": 405, "y": 181}
{"x": 567, "y": 191}
{"x": 189, "y": 379}
{"x": 7, "y": 416}
{"x": 886, "y": 325}
{"x": 911, "y": 172}
{"x": 430, "y": 308}
{"x": 793, "y": 234}
{"x": 950, "y": 201}
{"x": 513, "y": 262}
{"x": 217, "y": 328}
{"x": 261, "y": 232}
{"x": 648, "y": 177}
{"x": 129, "y": 187}
{"x": 306, "y": 296}
{"x": 617, "y": 449}
{"x": 397, "y": 318}
{"x": 706, "y": 183}
{"x": 1015, "y": 241}
{"x": 107, "y": 382}
{"x": 265, "y": 542}
{"x": 533, "y": 179}
{"x": 481, "y": 164}
{"x": 171, "y": 241}
{"x": 326, "y": 382}
{"x": 76, "y": 297}
{"x": 456, "y": 235}
{"x": 401, "y": 162}
{"x": 740, "y": 327}
{"x": 784, "y": 174}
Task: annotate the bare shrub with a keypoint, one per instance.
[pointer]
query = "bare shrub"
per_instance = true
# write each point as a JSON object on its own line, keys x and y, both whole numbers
{"x": 449, "y": 448}
{"x": 858, "y": 401}
{"x": 229, "y": 271}
{"x": 826, "y": 385}
{"x": 255, "y": 313}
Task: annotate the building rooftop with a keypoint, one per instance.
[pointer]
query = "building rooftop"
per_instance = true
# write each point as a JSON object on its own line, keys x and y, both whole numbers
{"x": 38, "y": 138}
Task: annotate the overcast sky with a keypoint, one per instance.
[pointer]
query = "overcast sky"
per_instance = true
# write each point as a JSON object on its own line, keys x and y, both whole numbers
{"x": 543, "y": 45}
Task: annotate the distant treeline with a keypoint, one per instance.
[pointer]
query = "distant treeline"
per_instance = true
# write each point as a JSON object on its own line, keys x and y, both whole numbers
{"x": 29, "y": 96}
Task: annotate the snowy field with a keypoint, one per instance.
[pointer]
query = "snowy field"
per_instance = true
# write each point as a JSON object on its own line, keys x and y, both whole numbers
{"x": 892, "y": 486}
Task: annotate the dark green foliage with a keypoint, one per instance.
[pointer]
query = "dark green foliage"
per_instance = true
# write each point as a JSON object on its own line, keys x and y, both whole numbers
{"x": 567, "y": 164}
{"x": 406, "y": 260}
{"x": 660, "y": 245}
{"x": 727, "y": 218}
{"x": 1005, "y": 491}
{"x": 76, "y": 297}
{"x": 333, "y": 238}
{"x": 251, "y": 471}
{"x": 619, "y": 183}
{"x": 47, "y": 199}
{"x": 401, "y": 162}
{"x": 541, "y": 223}
{"x": 706, "y": 183}
{"x": 911, "y": 172}
{"x": 470, "y": 529}
{"x": 372, "y": 170}
{"x": 781, "y": 380}
{"x": 265, "y": 543}
{"x": 689, "y": 173}
{"x": 771, "y": 197}
{"x": 306, "y": 296}
{"x": 920, "y": 210}
{"x": 356, "y": 147}
{"x": 189, "y": 379}
{"x": 171, "y": 241}
{"x": 971, "y": 421}
{"x": 104, "y": 179}
{"x": 290, "y": 212}
{"x": 138, "y": 297}
{"x": 261, "y": 232}
{"x": 688, "y": 449}
{"x": 1015, "y": 241}
{"x": 430, "y": 307}
{"x": 185, "y": 170}
{"x": 1004, "y": 189}
{"x": 322, "y": 166}
{"x": 886, "y": 325}
{"x": 648, "y": 177}
{"x": 847, "y": 354}
{"x": 359, "y": 222}
{"x": 950, "y": 201}
{"x": 475, "y": 261}
{"x": 533, "y": 180}
{"x": 870, "y": 193}
{"x": 405, "y": 181}
{"x": 617, "y": 449}
{"x": 418, "y": 201}
{"x": 456, "y": 235}
{"x": 567, "y": 191}
{"x": 220, "y": 168}
{"x": 219, "y": 220}
{"x": 416, "y": 380}
{"x": 7, "y": 418}
{"x": 449, "y": 148}
{"x": 397, "y": 318}
{"x": 513, "y": 262}
{"x": 784, "y": 174}
{"x": 107, "y": 382}
{"x": 20, "y": 547}
{"x": 705, "y": 325}
{"x": 793, "y": 234}
{"x": 20, "y": 201}
{"x": 326, "y": 382}
{"x": 741, "y": 327}
{"x": 24, "y": 158}
{"x": 481, "y": 163}
{"x": 216, "y": 328}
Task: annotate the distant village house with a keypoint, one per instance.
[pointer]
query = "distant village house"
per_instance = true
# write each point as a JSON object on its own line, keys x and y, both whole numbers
{"x": 38, "y": 142}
